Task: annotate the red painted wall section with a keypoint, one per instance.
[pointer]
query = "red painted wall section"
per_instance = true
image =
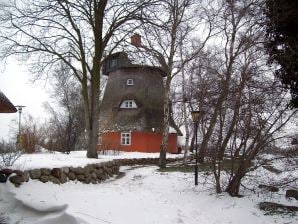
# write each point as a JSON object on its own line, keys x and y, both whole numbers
{"x": 140, "y": 142}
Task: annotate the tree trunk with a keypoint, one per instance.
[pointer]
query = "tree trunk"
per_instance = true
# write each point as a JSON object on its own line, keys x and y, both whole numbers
{"x": 217, "y": 183}
{"x": 165, "y": 132}
{"x": 92, "y": 144}
{"x": 234, "y": 184}
{"x": 91, "y": 107}
{"x": 165, "y": 136}
{"x": 186, "y": 146}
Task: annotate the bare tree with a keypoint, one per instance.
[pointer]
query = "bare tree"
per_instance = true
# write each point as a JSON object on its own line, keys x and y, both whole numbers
{"x": 65, "y": 128}
{"x": 32, "y": 134}
{"x": 165, "y": 26}
{"x": 240, "y": 31}
{"x": 246, "y": 108}
{"x": 77, "y": 33}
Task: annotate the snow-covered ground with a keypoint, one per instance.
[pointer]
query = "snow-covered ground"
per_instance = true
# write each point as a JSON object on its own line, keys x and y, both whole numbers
{"x": 144, "y": 195}
{"x": 75, "y": 158}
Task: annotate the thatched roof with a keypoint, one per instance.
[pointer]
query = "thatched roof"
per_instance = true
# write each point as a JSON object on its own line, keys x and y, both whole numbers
{"x": 5, "y": 105}
{"x": 147, "y": 92}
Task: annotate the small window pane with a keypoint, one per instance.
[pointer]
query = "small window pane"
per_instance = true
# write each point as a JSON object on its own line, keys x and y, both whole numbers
{"x": 128, "y": 104}
{"x": 129, "y": 82}
{"x": 125, "y": 138}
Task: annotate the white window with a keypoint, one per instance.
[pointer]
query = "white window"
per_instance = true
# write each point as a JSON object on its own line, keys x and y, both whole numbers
{"x": 125, "y": 138}
{"x": 128, "y": 104}
{"x": 99, "y": 139}
{"x": 129, "y": 82}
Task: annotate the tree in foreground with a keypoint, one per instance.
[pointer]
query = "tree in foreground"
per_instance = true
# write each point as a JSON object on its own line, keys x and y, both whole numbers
{"x": 65, "y": 130}
{"x": 245, "y": 107}
{"x": 282, "y": 42}
{"x": 76, "y": 33}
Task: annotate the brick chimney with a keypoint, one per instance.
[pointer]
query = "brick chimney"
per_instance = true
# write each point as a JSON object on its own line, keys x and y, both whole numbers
{"x": 136, "y": 40}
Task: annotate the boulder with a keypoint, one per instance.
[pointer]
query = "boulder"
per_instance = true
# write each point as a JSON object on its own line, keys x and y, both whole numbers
{"x": 78, "y": 170}
{"x": 63, "y": 178}
{"x": 44, "y": 178}
{"x": 292, "y": 194}
{"x": 99, "y": 173}
{"x": 26, "y": 176}
{"x": 87, "y": 172}
{"x": 71, "y": 176}
{"x": 3, "y": 178}
{"x": 93, "y": 181}
{"x": 80, "y": 177}
{"x": 109, "y": 172}
{"x": 54, "y": 179}
{"x": 45, "y": 171}
{"x": 17, "y": 180}
{"x": 35, "y": 174}
{"x": 65, "y": 170}
{"x": 56, "y": 172}
{"x": 87, "y": 180}
{"x": 88, "y": 169}
{"x": 93, "y": 175}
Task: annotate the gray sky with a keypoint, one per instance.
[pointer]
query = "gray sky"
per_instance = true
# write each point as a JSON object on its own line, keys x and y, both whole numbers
{"x": 15, "y": 84}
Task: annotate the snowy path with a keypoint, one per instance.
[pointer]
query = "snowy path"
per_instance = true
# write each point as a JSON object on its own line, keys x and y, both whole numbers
{"x": 143, "y": 195}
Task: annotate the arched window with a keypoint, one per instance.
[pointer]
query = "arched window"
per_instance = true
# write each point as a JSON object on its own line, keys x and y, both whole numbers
{"x": 128, "y": 104}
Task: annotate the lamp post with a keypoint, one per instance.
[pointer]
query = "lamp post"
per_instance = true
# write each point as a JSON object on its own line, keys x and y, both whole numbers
{"x": 20, "y": 108}
{"x": 196, "y": 117}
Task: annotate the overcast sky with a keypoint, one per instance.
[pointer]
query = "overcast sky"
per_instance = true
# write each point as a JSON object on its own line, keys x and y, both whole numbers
{"x": 15, "y": 84}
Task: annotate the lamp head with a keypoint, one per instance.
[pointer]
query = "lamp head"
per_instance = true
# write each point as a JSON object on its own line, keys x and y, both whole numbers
{"x": 196, "y": 115}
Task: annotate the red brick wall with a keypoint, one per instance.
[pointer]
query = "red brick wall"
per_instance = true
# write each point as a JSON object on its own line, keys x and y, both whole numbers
{"x": 140, "y": 142}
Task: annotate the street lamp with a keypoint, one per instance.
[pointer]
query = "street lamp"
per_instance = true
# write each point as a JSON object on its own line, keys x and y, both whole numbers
{"x": 196, "y": 115}
{"x": 20, "y": 108}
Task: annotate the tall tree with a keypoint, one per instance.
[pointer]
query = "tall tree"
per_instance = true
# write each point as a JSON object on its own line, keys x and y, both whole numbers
{"x": 75, "y": 32}
{"x": 282, "y": 44}
{"x": 240, "y": 31}
{"x": 166, "y": 26}
{"x": 245, "y": 107}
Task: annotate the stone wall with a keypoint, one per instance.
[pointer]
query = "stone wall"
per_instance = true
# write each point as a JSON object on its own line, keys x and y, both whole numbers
{"x": 91, "y": 173}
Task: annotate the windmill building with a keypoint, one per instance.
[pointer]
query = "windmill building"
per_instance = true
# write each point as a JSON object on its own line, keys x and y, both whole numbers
{"x": 131, "y": 112}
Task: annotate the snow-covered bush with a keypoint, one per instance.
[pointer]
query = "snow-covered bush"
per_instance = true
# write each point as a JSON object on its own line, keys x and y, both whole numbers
{"x": 8, "y": 154}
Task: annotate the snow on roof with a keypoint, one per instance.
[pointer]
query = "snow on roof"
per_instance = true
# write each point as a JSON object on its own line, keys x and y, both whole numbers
{"x": 172, "y": 130}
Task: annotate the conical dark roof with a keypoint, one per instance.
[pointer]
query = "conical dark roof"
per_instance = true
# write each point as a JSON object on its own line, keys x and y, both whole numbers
{"x": 146, "y": 92}
{"x": 5, "y": 105}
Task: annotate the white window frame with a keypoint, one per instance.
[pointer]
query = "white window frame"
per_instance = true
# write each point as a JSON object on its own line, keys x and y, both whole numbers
{"x": 129, "y": 82}
{"x": 99, "y": 141}
{"x": 125, "y": 138}
{"x": 128, "y": 104}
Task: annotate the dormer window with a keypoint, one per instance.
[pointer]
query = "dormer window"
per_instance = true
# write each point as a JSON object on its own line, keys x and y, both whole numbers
{"x": 129, "y": 82}
{"x": 128, "y": 104}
